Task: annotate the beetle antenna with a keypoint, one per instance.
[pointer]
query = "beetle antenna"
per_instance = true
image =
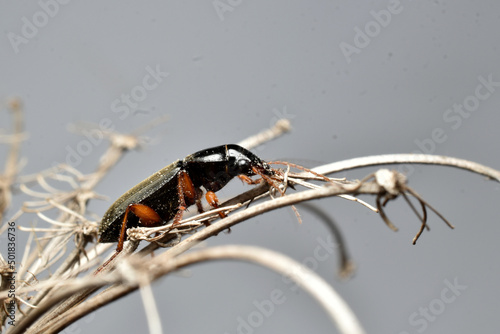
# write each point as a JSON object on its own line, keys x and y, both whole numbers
{"x": 274, "y": 184}
{"x": 269, "y": 180}
{"x": 289, "y": 164}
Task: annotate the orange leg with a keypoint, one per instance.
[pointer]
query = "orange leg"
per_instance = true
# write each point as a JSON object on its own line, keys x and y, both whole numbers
{"x": 147, "y": 216}
{"x": 248, "y": 180}
{"x": 214, "y": 202}
{"x": 187, "y": 194}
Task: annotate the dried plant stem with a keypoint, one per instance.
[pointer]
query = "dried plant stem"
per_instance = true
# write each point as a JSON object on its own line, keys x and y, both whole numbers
{"x": 377, "y": 160}
{"x": 258, "y": 209}
{"x": 346, "y": 264}
{"x": 331, "y": 190}
{"x": 333, "y": 304}
{"x": 119, "y": 291}
{"x": 67, "y": 298}
{"x": 278, "y": 129}
{"x": 59, "y": 304}
{"x": 427, "y": 159}
{"x": 120, "y": 144}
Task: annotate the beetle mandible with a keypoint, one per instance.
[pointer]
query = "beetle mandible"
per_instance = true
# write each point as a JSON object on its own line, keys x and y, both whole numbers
{"x": 166, "y": 194}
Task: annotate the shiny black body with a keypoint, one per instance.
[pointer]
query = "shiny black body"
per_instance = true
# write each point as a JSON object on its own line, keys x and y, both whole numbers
{"x": 211, "y": 169}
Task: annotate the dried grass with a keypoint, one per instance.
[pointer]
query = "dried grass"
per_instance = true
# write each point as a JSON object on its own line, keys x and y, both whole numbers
{"x": 56, "y": 274}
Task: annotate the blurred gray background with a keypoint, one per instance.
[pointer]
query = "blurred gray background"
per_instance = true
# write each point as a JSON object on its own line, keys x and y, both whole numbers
{"x": 355, "y": 79}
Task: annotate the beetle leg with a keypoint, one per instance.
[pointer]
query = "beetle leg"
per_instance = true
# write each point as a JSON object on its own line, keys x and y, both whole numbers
{"x": 187, "y": 193}
{"x": 199, "y": 194}
{"x": 269, "y": 179}
{"x": 214, "y": 202}
{"x": 146, "y": 215}
{"x": 248, "y": 180}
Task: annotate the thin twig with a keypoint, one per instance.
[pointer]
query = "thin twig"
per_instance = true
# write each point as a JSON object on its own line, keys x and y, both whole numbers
{"x": 347, "y": 266}
{"x": 278, "y": 129}
{"x": 391, "y": 159}
{"x": 333, "y": 304}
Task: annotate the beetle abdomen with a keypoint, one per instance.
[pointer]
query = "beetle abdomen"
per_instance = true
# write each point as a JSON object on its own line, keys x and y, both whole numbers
{"x": 157, "y": 190}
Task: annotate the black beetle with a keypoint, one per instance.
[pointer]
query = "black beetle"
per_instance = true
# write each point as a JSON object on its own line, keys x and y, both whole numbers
{"x": 166, "y": 194}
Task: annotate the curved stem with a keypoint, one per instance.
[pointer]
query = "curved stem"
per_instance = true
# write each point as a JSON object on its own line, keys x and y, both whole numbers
{"x": 330, "y": 190}
{"x": 390, "y": 159}
{"x": 334, "y": 305}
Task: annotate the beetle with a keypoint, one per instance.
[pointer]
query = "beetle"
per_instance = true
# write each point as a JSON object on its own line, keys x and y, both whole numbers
{"x": 166, "y": 194}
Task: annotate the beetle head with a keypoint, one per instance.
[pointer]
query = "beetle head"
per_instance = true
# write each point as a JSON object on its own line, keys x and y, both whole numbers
{"x": 242, "y": 161}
